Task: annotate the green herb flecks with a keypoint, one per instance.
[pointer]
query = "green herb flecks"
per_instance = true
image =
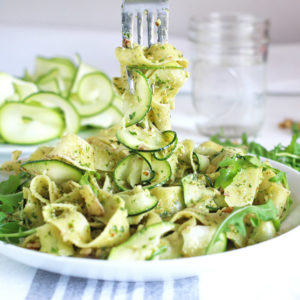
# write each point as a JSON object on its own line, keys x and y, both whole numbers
{"x": 132, "y": 132}
{"x": 27, "y": 119}
{"x": 159, "y": 251}
{"x": 131, "y": 116}
{"x": 280, "y": 177}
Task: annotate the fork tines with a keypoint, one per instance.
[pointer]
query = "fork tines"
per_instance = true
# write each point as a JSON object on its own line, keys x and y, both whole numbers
{"x": 136, "y": 9}
{"x": 157, "y": 13}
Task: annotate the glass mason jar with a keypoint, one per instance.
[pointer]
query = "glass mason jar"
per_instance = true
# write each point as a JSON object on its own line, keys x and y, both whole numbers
{"x": 228, "y": 72}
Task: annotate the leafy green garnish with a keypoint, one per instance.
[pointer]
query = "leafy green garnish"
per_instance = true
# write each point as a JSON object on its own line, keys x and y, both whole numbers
{"x": 132, "y": 132}
{"x": 289, "y": 155}
{"x": 265, "y": 212}
{"x": 286, "y": 210}
{"x": 11, "y": 199}
{"x": 19, "y": 234}
{"x": 10, "y": 185}
{"x": 85, "y": 180}
{"x": 131, "y": 116}
{"x": 280, "y": 177}
{"x": 2, "y": 216}
{"x": 213, "y": 209}
{"x": 10, "y": 202}
{"x": 231, "y": 166}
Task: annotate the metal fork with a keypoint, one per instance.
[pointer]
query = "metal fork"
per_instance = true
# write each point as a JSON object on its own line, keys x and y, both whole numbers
{"x": 136, "y": 9}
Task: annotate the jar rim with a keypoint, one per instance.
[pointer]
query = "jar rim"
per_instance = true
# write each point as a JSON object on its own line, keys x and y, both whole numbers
{"x": 229, "y": 28}
{"x": 228, "y": 18}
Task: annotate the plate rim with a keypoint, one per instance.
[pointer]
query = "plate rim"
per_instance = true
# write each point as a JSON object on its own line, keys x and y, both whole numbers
{"x": 7, "y": 250}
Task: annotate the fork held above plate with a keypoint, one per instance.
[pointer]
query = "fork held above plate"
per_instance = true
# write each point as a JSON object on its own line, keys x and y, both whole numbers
{"x": 136, "y": 9}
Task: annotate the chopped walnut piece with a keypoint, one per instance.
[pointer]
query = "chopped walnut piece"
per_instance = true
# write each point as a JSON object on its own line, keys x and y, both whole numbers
{"x": 287, "y": 123}
{"x": 228, "y": 209}
{"x": 126, "y": 43}
{"x": 34, "y": 245}
{"x": 85, "y": 251}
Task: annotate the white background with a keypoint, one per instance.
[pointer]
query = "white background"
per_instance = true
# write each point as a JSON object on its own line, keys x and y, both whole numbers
{"x": 105, "y": 14}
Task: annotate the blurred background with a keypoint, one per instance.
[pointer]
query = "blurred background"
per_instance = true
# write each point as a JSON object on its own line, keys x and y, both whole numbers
{"x": 92, "y": 28}
{"x": 104, "y": 14}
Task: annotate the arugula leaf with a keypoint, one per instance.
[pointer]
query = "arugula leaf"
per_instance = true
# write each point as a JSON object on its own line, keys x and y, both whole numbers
{"x": 13, "y": 231}
{"x": 265, "y": 212}
{"x": 225, "y": 178}
{"x": 11, "y": 200}
{"x": 289, "y": 155}
{"x": 2, "y": 216}
{"x": 217, "y": 138}
{"x": 10, "y": 185}
{"x": 85, "y": 180}
{"x": 279, "y": 178}
{"x": 231, "y": 166}
{"x": 11, "y": 227}
{"x": 287, "y": 208}
{"x": 17, "y": 235}
{"x": 254, "y": 161}
{"x": 254, "y": 222}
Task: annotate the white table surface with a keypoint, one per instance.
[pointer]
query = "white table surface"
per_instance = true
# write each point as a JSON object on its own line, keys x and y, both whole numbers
{"x": 278, "y": 108}
{"x": 18, "y": 48}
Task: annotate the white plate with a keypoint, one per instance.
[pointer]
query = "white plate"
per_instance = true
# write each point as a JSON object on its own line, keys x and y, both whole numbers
{"x": 282, "y": 250}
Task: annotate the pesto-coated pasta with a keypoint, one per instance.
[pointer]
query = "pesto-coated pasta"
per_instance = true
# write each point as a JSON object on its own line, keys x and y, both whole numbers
{"x": 134, "y": 192}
